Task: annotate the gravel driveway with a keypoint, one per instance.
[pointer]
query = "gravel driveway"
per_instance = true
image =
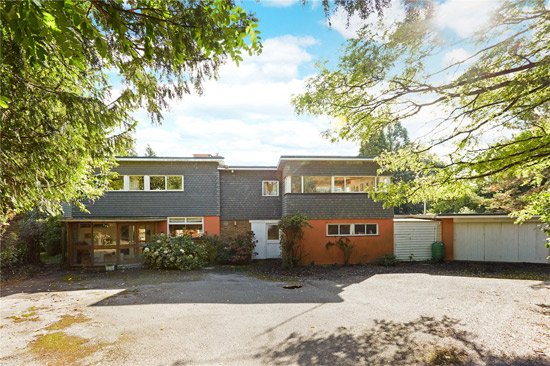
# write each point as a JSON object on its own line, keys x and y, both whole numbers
{"x": 220, "y": 317}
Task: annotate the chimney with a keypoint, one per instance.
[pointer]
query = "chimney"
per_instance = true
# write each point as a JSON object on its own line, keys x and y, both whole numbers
{"x": 202, "y": 155}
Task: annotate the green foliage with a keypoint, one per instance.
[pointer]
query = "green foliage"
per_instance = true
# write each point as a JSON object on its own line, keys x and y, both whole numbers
{"x": 344, "y": 245}
{"x": 53, "y": 235}
{"x": 149, "y": 151}
{"x": 386, "y": 260}
{"x": 211, "y": 243}
{"x": 61, "y": 122}
{"x": 11, "y": 257}
{"x": 392, "y": 138}
{"x": 292, "y": 231}
{"x": 180, "y": 252}
{"x": 237, "y": 249}
{"x": 493, "y": 107}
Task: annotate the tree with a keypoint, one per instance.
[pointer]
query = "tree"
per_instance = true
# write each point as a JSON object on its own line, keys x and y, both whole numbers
{"x": 493, "y": 103}
{"x": 149, "y": 151}
{"x": 62, "y": 122}
{"x": 391, "y": 138}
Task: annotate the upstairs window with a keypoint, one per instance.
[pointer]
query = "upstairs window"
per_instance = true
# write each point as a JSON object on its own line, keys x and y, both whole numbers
{"x": 174, "y": 183}
{"x": 333, "y": 184}
{"x": 155, "y": 183}
{"x": 137, "y": 182}
{"x": 270, "y": 188}
{"x": 117, "y": 184}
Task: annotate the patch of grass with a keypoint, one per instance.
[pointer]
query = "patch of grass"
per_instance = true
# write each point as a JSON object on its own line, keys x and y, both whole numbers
{"x": 446, "y": 356}
{"x": 60, "y": 348}
{"x": 29, "y": 316}
{"x": 66, "y": 321}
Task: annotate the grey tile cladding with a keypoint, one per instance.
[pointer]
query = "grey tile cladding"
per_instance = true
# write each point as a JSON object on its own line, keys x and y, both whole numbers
{"x": 241, "y": 195}
{"x": 199, "y": 198}
{"x": 337, "y": 167}
{"x": 335, "y": 206}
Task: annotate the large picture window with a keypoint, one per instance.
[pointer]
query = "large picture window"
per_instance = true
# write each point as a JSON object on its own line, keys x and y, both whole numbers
{"x": 352, "y": 229}
{"x": 332, "y": 184}
{"x": 137, "y": 183}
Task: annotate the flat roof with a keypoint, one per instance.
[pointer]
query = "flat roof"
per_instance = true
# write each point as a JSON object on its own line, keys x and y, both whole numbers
{"x": 216, "y": 159}
{"x": 324, "y": 157}
{"x": 245, "y": 167}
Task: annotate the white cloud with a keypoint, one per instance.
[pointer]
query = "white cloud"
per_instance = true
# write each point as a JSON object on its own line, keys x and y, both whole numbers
{"x": 339, "y": 20}
{"x": 456, "y": 55}
{"x": 279, "y": 3}
{"x": 464, "y": 17}
{"x": 242, "y": 143}
{"x": 246, "y": 114}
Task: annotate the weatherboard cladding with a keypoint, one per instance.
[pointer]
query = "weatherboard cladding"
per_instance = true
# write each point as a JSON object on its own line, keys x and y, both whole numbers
{"x": 199, "y": 198}
{"x": 334, "y": 206}
{"x": 329, "y": 168}
{"x": 241, "y": 195}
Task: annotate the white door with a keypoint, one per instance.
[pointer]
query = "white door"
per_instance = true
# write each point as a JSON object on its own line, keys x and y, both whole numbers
{"x": 499, "y": 242}
{"x": 267, "y": 235}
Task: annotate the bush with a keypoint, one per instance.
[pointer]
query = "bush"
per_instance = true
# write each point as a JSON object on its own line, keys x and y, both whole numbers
{"x": 212, "y": 243}
{"x": 237, "y": 250}
{"x": 180, "y": 252}
{"x": 292, "y": 232}
{"x": 52, "y": 235}
{"x": 11, "y": 257}
{"x": 387, "y": 260}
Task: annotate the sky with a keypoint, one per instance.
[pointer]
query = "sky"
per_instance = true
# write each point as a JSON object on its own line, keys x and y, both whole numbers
{"x": 246, "y": 115}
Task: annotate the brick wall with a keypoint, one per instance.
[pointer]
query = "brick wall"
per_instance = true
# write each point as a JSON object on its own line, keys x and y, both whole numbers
{"x": 229, "y": 228}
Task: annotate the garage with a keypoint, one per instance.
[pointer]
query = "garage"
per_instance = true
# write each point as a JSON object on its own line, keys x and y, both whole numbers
{"x": 498, "y": 239}
{"x": 413, "y": 238}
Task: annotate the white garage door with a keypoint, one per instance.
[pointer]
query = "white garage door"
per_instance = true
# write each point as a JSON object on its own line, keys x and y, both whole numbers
{"x": 413, "y": 238}
{"x": 499, "y": 242}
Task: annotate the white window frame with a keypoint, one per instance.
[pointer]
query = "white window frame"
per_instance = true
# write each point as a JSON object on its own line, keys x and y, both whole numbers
{"x": 147, "y": 183}
{"x": 288, "y": 184}
{"x": 263, "y": 190}
{"x": 352, "y": 228}
{"x": 174, "y": 190}
{"x": 184, "y": 221}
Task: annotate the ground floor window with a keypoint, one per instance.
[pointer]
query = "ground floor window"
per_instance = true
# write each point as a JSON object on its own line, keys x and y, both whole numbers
{"x": 97, "y": 244}
{"x": 178, "y": 226}
{"x": 352, "y": 229}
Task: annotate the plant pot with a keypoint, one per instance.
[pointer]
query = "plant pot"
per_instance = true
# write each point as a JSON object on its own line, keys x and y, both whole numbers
{"x": 109, "y": 267}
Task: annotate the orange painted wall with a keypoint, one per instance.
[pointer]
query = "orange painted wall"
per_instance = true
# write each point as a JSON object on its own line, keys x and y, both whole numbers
{"x": 367, "y": 248}
{"x": 212, "y": 225}
{"x": 162, "y": 227}
{"x": 447, "y": 236}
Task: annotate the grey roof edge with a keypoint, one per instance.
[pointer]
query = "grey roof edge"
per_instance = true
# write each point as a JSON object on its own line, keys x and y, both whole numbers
{"x": 244, "y": 167}
{"x": 213, "y": 159}
{"x": 115, "y": 219}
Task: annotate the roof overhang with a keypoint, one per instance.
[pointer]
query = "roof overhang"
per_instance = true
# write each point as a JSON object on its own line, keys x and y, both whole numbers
{"x": 114, "y": 219}
{"x": 323, "y": 158}
{"x": 218, "y": 160}
{"x": 247, "y": 168}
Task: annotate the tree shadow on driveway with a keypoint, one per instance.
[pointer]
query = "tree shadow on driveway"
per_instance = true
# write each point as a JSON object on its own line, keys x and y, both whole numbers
{"x": 424, "y": 341}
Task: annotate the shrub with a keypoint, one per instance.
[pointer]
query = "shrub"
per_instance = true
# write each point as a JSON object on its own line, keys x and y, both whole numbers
{"x": 237, "y": 250}
{"x": 52, "y": 235}
{"x": 11, "y": 257}
{"x": 387, "y": 260}
{"x": 180, "y": 252}
{"x": 344, "y": 244}
{"x": 292, "y": 232}
{"x": 212, "y": 244}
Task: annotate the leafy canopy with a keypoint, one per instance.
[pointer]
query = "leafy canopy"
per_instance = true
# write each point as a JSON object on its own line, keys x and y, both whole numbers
{"x": 62, "y": 122}
{"x": 492, "y": 106}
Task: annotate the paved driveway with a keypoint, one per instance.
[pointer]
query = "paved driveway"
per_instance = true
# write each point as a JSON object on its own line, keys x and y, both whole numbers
{"x": 209, "y": 317}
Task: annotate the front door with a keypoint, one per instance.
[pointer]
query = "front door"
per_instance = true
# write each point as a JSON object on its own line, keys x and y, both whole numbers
{"x": 267, "y": 235}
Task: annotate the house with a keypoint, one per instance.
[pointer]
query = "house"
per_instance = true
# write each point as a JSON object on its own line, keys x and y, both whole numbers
{"x": 201, "y": 194}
